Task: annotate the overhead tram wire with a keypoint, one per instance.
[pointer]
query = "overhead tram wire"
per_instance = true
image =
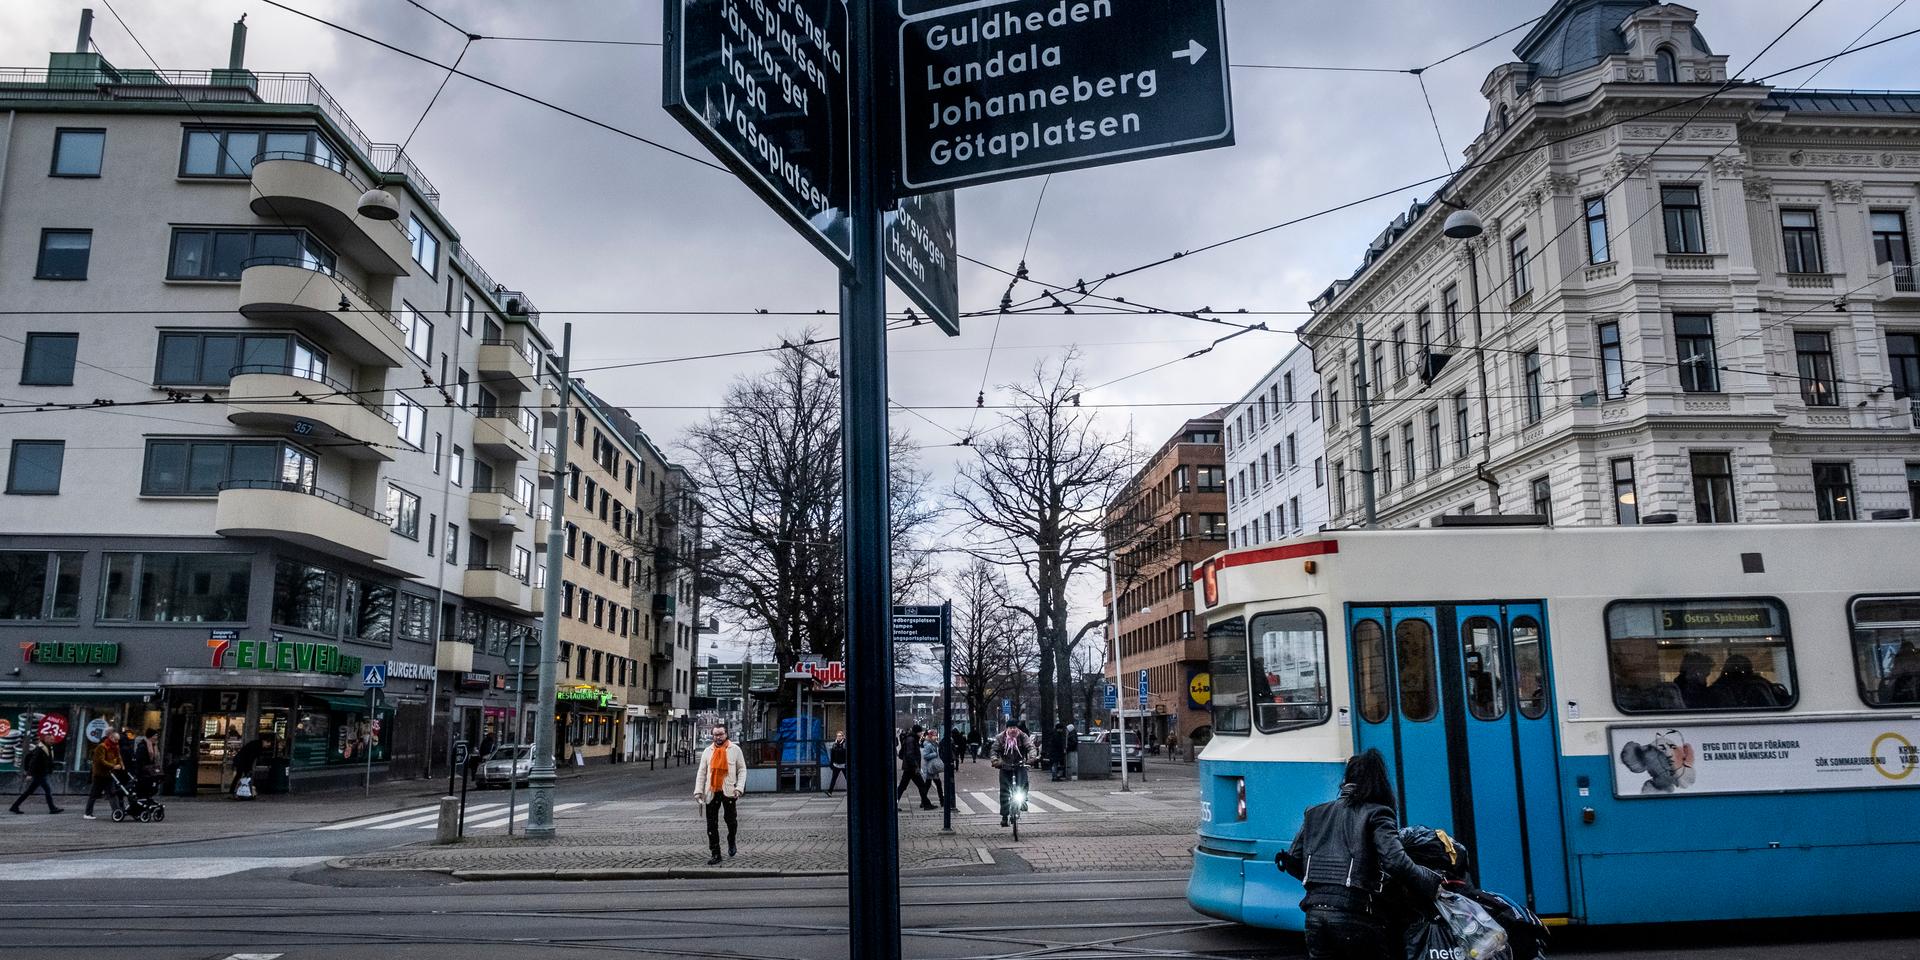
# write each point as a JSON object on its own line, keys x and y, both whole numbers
{"x": 1863, "y": 34}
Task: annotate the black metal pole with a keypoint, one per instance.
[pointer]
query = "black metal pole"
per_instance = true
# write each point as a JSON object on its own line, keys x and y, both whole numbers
{"x": 946, "y": 706}
{"x": 873, "y": 866}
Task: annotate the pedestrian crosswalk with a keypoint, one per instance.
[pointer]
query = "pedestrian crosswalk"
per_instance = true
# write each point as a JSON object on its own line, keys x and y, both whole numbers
{"x": 1037, "y": 802}
{"x": 479, "y": 816}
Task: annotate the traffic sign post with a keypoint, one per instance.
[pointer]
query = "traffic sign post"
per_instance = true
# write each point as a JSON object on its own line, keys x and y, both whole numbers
{"x": 921, "y": 624}
{"x": 1015, "y": 88}
{"x": 1111, "y": 697}
{"x": 373, "y": 675}
{"x": 922, "y": 258}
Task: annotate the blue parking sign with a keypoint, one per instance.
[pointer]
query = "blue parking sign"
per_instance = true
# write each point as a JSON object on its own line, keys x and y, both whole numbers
{"x": 373, "y": 675}
{"x": 1111, "y": 696}
{"x": 1143, "y": 688}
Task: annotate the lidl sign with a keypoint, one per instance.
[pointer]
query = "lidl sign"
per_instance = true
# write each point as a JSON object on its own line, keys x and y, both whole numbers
{"x": 286, "y": 656}
{"x": 78, "y": 654}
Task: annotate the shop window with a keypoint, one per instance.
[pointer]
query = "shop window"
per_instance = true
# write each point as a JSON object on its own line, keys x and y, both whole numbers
{"x": 306, "y": 597}
{"x": 175, "y": 587}
{"x": 1886, "y": 650}
{"x": 1675, "y": 656}
{"x": 40, "y": 586}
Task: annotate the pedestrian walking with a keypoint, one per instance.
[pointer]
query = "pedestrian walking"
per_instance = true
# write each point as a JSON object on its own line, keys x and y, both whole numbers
{"x": 244, "y": 762}
{"x": 1344, "y": 853}
{"x": 931, "y": 768}
{"x": 837, "y": 761}
{"x": 475, "y": 759}
{"x": 718, "y": 781}
{"x": 104, "y": 759}
{"x": 1011, "y": 753}
{"x": 37, "y": 764}
{"x": 909, "y": 757}
{"x": 1073, "y": 752}
{"x": 1057, "y": 752}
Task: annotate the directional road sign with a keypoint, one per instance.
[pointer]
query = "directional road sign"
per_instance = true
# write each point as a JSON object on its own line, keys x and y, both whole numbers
{"x": 373, "y": 675}
{"x": 1112, "y": 696}
{"x": 1002, "y": 89}
{"x": 764, "y": 85}
{"x": 916, "y": 624}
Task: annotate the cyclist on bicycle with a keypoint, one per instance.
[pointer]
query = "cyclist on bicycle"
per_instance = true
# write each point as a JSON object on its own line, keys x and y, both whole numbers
{"x": 1012, "y": 752}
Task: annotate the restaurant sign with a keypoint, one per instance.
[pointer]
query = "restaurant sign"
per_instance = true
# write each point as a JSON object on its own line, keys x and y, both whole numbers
{"x": 585, "y": 693}
{"x": 286, "y": 656}
{"x": 77, "y": 654}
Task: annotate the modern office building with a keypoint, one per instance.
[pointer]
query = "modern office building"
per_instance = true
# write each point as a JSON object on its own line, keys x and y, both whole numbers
{"x": 1170, "y": 517}
{"x": 1683, "y": 302}
{"x": 1276, "y": 463}
{"x": 269, "y": 422}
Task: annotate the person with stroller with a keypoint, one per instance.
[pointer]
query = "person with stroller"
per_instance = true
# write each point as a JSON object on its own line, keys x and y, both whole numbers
{"x": 104, "y": 758}
{"x": 1346, "y": 853}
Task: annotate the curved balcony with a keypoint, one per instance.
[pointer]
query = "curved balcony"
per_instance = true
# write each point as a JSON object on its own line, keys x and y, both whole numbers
{"x": 490, "y": 584}
{"x": 311, "y": 406}
{"x": 311, "y": 518}
{"x": 324, "y": 196}
{"x": 501, "y": 432}
{"x": 504, "y": 367}
{"x": 494, "y": 508}
{"x": 291, "y": 290}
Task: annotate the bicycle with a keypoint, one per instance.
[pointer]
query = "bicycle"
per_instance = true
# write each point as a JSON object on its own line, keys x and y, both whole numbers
{"x": 1017, "y": 799}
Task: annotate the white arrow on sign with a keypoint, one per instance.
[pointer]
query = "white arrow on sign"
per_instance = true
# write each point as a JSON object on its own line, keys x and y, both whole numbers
{"x": 1192, "y": 53}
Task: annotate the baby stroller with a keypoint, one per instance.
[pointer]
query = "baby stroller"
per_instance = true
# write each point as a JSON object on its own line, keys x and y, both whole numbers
{"x": 134, "y": 797}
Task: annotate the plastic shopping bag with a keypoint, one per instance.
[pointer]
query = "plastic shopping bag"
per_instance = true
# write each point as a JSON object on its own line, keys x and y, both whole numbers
{"x": 1432, "y": 940}
{"x": 1479, "y": 935}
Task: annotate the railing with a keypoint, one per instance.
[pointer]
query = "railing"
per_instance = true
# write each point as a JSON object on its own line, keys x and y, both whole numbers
{"x": 1810, "y": 281}
{"x": 338, "y": 166}
{"x": 496, "y": 568}
{"x": 286, "y": 370}
{"x": 304, "y": 263}
{"x": 1903, "y": 280}
{"x": 291, "y": 487}
{"x": 212, "y": 86}
{"x": 1688, "y": 261}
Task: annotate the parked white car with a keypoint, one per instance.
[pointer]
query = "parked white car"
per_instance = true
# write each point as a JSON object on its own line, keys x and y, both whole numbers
{"x": 1135, "y": 760}
{"x": 506, "y": 764}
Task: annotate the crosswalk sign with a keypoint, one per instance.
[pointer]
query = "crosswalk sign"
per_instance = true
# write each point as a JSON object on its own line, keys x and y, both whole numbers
{"x": 373, "y": 675}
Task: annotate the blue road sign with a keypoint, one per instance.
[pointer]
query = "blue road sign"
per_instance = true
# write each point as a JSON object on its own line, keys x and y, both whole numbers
{"x": 1143, "y": 688}
{"x": 1112, "y": 696}
{"x": 1006, "y": 709}
{"x": 373, "y": 675}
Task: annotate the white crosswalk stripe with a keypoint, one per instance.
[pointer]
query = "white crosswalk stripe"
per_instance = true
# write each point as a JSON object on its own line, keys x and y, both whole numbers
{"x": 960, "y": 805}
{"x": 519, "y": 816}
{"x": 433, "y": 816}
{"x": 407, "y": 818}
{"x": 1062, "y": 805}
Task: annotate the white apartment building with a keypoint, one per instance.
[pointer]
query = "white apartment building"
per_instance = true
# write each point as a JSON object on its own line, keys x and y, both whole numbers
{"x": 270, "y": 422}
{"x": 1706, "y": 314}
{"x": 1276, "y": 456}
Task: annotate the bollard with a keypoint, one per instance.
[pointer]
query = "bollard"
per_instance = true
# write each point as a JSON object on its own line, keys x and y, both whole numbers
{"x": 449, "y": 827}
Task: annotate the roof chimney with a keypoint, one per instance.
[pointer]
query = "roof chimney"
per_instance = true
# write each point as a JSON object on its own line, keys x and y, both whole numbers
{"x": 84, "y": 43}
{"x": 237, "y": 54}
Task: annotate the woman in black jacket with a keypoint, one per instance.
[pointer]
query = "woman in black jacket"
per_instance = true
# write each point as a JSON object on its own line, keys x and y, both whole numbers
{"x": 1345, "y": 853}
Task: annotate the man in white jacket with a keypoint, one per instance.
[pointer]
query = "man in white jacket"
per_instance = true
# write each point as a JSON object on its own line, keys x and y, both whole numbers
{"x": 719, "y": 778}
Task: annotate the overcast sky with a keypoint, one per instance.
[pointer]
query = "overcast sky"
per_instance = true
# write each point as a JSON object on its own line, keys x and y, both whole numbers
{"x": 583, "y": 219}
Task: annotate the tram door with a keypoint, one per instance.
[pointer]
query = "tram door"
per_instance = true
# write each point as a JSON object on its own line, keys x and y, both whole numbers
{"x": 1459, "y": 699}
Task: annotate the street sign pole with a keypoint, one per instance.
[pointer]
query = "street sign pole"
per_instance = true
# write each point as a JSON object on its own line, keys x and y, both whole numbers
{"x": 946, "y": 722}
{"x": 541, "y": 778}
{"x": 1119, "y": 677}
{"x": 873, "y": 867}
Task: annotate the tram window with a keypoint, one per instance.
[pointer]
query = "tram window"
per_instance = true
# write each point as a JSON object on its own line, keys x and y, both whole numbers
{"x": 1529, "y": 669}
{"x": 1227, "y": 658}
{"x": 1480, "y": 653}
{"x": 1289, "y": 670}
{"x": 1370, "y": 670}
{"x": 1678, "y": 656}
{"x": 1419, "y": 682}
{"x": 1886, "y": 650}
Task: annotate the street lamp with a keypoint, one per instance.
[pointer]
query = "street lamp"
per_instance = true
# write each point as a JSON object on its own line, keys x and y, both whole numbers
{"x": 1464, "y": 224}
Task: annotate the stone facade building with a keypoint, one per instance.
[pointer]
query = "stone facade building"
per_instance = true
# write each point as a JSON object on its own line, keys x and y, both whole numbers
{"x": 1172, "y": 516}
{"x": 1276, "y": 463}
{"x": 1695, "y": 303}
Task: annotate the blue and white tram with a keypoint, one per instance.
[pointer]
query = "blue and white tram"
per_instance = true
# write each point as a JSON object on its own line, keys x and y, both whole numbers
{"x": 1624, "y": 724}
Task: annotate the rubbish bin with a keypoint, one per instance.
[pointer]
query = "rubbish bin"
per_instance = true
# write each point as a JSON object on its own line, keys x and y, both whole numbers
{"x": 185, "y": 778}
{"x": 1096, "y": 760}
{"x": 278, "y": 780}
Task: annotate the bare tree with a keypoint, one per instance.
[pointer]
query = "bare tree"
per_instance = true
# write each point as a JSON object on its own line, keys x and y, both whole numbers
{"x": 991, "y": 644}
{"x": 1037, "y": 496}
{"x": 768, "y": 466}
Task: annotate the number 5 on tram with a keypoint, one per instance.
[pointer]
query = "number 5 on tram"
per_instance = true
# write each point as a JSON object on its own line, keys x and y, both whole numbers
{"x": 1622, "y": 724}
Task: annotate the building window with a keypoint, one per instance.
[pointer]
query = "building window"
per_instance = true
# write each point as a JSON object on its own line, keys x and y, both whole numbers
{"x": 48, "y": 360}
{"x": 1713, "y": 487}
{"x": 1385, "y": 467}
{"x": 1400, "y": 351}
{"x": 1535, "y": 402}
{"x": 1213, "y": 526}
{"x": 1435, "y": 454}
{"x": 1319, "y": 472}
{"x": 1814, "y": 353}
{"x": 1517, "y": 256}
{"x": 1543, "y": 500}
{"x": 77, "y": 153}
{"x": 451, "y": 544}
{"x": 466, "y": 313}
{"x": 209, "y": 358}
{"x": 419, "y": 331}
{"x": 1599, "y": 250}
{"x": 175, "y": 587}
{"x": 412, "y": 419}
{"x": 1450, "y": 312}
{"x": 64, "y": 254}
{"x": 522, "y": 568}
{"x": 200, "y": 468}
{"x": 306, "y": 597}
{"x": 231, "y": 153}
{"x": 426, "y": 246}
{"x": 1462, "y": 437}
{"x": 1890, "y": 248}
{"x": 1670, "y": 656}
{"x": 35, "y": 465}
{"x": 198, "y": 254}
{"x": 403, "y": 512}
{"x": 1903, "y": 362}
{"x": 1800, "y": 234}
{"x": 1626, "y": 500}
{"x": 1613, "y": 370}
{"x": 1664, "y": 68}
{"x": 1333, "y": 406}
{"x": 1680, "y": 207}
{"x": 1339, "y": 486}
{"x": 1313, "y": 406}
{"x": 40, "y": 586}
{"x": 1423, "y": 327}
{"x": 1913, "y": 490}
{"x": 1293, "y": 451}
{"x": 1693, "y": 343}
{"x": 1407, "y": 458}
{"x": 1833, "y": 490}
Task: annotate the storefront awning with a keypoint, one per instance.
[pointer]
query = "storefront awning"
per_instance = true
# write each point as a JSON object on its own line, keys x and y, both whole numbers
{"x": 69, "y": 694}
{"x": 345, "y": 704}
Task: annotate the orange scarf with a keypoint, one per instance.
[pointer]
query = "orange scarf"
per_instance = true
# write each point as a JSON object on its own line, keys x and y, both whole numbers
{"x": 717, "y": 770}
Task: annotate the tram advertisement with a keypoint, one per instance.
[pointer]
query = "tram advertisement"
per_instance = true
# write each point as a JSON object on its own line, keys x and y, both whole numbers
{"x": 1698, "y": 759}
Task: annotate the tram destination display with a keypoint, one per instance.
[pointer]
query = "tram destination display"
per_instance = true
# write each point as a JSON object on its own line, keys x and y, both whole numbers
{"x": 1693, "y": 759}
{"x": 1015, "y": 88}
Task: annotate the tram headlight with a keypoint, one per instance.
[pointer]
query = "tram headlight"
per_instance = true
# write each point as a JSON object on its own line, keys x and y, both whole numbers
{"x": 1240, "y": 798}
